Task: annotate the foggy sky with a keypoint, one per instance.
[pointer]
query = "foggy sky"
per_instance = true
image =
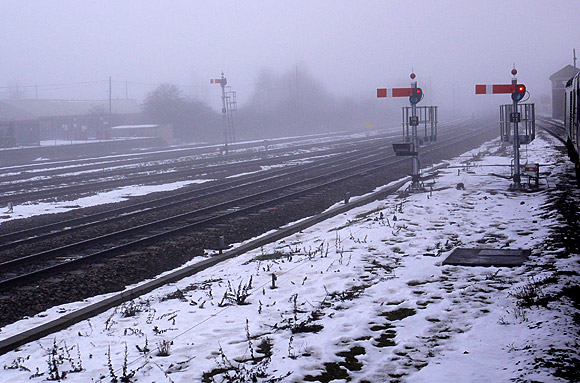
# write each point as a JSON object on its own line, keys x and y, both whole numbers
{"x": 351, "y": 47}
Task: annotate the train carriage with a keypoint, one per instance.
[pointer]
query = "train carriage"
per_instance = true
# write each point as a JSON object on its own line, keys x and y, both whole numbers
{"x": 572, "y": 120}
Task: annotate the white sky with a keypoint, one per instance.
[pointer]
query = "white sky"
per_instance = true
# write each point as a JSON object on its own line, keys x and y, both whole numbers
{"x": 352, "y": 47}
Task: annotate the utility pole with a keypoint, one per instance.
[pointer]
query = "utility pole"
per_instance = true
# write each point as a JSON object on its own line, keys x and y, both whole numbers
{"x": 574, "y": 57}
{"x": 110, "y": 96}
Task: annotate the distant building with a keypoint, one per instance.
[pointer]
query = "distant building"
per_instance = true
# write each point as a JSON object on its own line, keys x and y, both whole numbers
{"x": 65, "y": 119}
{"x": 19, "y": 133}
{"x": 559, "y": 80}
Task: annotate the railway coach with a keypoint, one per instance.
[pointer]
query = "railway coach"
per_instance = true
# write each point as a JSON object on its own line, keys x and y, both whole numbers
{"x": 572, "y": 121}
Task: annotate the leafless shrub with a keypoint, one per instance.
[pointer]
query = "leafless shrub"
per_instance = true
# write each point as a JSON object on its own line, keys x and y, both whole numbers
{"x": 18, "y": 364}
{"x": 145, "y": 349}
{"x": 57, "y": 356}
{"x": 233, "y": 372}
{"x": 131, "y": 309}
{"x": 164, "y": 348}
{"x": 237, "y": 296}
{"x": 127, "y": 375}
{"x": 530, "y": 294}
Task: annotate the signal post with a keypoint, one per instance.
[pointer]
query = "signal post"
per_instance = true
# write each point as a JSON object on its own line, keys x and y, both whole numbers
{"x": 517, "y": 95}
{"x": 411, "y": 145}
{"x": 229, "y": 105}
{"x": 414, "y": 98}
{"x": 517, "y": 91}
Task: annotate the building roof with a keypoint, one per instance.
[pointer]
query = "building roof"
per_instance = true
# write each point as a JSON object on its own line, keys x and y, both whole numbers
{"x": 34, "y": 109}
{"x": 129, "y": 127}
{"x": 565, "y": 73}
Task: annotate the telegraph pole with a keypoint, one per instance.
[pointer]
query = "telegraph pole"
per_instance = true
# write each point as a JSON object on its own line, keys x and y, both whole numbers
{"x": 110, "y": 96}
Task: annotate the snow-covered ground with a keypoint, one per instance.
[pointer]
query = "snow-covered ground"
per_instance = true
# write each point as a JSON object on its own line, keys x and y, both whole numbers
{"x": 117, "y": 195}
{"x": 361, "y": 297}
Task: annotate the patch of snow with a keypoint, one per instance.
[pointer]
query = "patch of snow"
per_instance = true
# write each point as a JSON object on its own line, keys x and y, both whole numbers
{"x": 117, "y": 195}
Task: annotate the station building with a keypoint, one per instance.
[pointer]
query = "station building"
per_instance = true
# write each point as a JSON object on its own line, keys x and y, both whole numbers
{"x": 28, "y": 122}
{"x": 559, "y": 80}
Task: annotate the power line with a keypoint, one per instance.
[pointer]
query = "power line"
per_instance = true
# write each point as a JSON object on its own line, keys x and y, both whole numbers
{"x": 75, "y": 84}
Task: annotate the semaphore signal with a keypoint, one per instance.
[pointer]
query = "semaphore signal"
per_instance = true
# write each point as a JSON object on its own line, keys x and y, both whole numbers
{"x": 229, "y": 105}
{"x": 427, "y": 114}
{"x": 517, "y": 92}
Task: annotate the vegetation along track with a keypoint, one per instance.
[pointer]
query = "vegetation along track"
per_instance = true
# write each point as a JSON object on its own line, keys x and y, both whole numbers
{"x": 170, "y": 247}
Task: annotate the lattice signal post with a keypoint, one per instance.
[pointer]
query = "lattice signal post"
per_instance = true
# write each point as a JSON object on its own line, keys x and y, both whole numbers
{"x": 412, "y": 142}
{"x": 518, "y": 92}
{"x": 229, "y": 105}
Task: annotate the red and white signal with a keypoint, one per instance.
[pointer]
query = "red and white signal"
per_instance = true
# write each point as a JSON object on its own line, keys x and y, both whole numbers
{"x": 494, "y": 89}
{"x": 394, "y": 92}
{"x": 517, "y": 90}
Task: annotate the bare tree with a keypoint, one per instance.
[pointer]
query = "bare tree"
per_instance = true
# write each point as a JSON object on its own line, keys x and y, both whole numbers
{"x": 191, "y": 119}
{"x": 164, "y": 103}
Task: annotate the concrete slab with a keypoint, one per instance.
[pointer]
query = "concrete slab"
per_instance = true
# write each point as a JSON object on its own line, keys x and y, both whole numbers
{"x": 487, "y": 257}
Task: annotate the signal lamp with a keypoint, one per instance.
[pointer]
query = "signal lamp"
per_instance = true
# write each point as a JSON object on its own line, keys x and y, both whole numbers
{"x": 519, "y": 92}
{"x": 416, "y": 95}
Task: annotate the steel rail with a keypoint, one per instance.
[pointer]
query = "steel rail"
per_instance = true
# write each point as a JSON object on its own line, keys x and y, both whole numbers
{"x": 121, "y": 167}
{"x": 13, "y": 239}
{"x": 162, "y": 153}
{"x": 557, "y": 133}
{"x": 143, "y": 178}
{"x": 155, "y": 225}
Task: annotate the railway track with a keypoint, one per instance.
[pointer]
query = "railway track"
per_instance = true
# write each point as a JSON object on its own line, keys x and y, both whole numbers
{"x": 189, "y": 168}
{"x": 106, "y": 175}
{"x": 33, "y": 234}
{"x": 553, "y": 127}
{"x": 64, "y": 256}
{"x": 25, "y": 269}
{"x": 162, "y": 154}
{"x": 15, "y": 238}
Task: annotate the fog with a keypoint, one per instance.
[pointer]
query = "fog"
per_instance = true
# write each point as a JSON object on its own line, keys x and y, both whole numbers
{"x": 61, "y": 49}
